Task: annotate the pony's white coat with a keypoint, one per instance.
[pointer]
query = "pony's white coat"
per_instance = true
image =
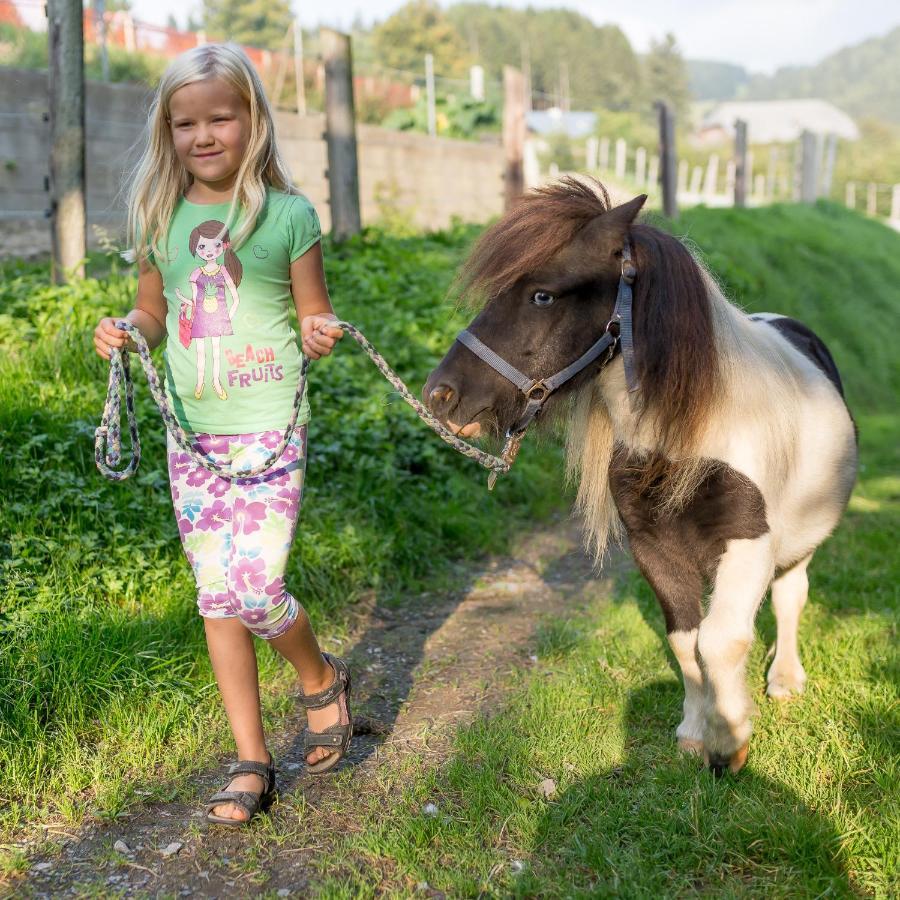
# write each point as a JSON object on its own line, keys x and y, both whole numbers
{"x": 779, "y": 421}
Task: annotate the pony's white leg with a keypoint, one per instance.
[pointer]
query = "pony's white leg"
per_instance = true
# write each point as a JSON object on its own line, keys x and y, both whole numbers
{"x": 789, "y": 590}
{"x": 723, "y": 641}
{"x": 690, "y": 732}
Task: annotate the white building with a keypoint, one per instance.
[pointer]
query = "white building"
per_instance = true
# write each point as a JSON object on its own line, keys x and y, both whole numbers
{"x": 775, "y": 121}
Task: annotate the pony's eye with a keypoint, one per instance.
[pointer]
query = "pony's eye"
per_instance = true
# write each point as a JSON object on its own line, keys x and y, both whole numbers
{"x": 542, "y": 298}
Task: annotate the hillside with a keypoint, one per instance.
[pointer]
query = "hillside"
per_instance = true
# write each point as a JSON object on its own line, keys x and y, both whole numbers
{"x": 712, "y": 80}
{"x": 863, "y": 80}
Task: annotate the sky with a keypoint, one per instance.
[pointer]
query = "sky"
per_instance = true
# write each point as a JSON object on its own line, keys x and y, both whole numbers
{"x": 760, "y": 35}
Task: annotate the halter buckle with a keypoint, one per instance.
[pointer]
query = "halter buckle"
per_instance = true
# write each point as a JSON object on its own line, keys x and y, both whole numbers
{"x": 538, "y": 392}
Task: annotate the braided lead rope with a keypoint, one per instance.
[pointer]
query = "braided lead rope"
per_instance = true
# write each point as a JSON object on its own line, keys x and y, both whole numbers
{"x": 109, "y": 431}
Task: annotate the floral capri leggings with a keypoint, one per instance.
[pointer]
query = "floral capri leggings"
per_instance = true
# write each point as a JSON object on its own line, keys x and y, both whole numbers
{"x": 237, "y": 534}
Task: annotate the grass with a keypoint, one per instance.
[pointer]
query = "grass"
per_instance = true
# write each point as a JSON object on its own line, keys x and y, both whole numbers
{"x": 105, "y": 685}
{"x": 816, "y": 811}
{"x": 104, "y": 681}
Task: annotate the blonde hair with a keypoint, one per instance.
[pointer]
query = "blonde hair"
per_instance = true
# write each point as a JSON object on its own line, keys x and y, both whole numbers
{"x": 159, "y": 179}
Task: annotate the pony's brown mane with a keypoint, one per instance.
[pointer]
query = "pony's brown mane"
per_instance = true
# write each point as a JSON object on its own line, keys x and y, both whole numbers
{"x": 533, "y": 232}
{"x": 674, "y": 340}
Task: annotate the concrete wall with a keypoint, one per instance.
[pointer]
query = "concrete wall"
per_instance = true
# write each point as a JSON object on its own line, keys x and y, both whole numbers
{"x": 425, "y": 181}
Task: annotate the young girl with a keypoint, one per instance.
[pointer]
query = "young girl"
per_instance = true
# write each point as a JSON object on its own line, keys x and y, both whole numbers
{"x": 212, "y": 186}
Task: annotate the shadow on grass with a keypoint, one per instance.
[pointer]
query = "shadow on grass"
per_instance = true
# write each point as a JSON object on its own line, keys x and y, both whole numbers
{"x": 659, "y": 825}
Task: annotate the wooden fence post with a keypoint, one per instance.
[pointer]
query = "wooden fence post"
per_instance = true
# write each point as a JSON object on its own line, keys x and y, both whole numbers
{"x": 872, "y": 199}
{"x": 621, "y": 158}
{"x": 740, "y": 163}
{"x": 759, "y": 187}
{"x": 591, "y": 150}
{"x": 298, "y": 68}
{"x": 640, "y": 166}
{"x": 514, "y": 132}
{"x": 772, "y": 173}
{"x": 895, "y": 203}
{"x": 696, "y": 181}
{"x": 850, "y": 194}
{"x": 653, "y": 172}
{"x": 603, "y": 161}
{"x": 68, "y": 214}
{"x": 828, "y": 169}
{"x": 429, "y": 94}
{"x": 684, "y": 170}
{"x": 809, "y": 168}
{"x": 667, "y": 159}
{"x": 340, "y": 134}
{"x": 711, "y": 182}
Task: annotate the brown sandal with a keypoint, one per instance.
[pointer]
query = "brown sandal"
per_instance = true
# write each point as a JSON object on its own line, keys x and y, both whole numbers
{"x": 250, "y": 801}
{"x": 337, "y": 736}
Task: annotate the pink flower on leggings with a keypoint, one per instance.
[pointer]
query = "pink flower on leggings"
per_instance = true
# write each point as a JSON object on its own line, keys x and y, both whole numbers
{"x": 247, "y": 516}
{"x": 270, "y": 439}
{"x": 287, "y": 500}
{"x": 198, "y": 476}
{"x": 185, "y": 526}
{"x": 276, "y": 588}
{"x": 249, "y": 574}
{"x": 208, "y": 602}
{"x": 215, "y": 443}
{"x": 214, "y": 517}
{"x": 252, "y": 616}
{"x": 291, "y": 453}
{"x": 218, "y": 487}
{"x": 179, "y": 464}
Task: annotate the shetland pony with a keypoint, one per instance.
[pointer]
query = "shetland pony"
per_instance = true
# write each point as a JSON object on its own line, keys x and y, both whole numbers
{"x": 729, "y": 462}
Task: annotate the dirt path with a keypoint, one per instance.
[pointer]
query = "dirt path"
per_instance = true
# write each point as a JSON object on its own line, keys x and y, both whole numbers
{"x": 420, "y": 670}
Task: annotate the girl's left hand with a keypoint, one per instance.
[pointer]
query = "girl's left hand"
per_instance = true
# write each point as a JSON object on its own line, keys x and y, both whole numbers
{"x": 319, "y": 336}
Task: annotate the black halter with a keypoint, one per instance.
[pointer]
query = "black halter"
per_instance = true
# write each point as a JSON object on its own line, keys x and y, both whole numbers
{"x": 616, "y": 335}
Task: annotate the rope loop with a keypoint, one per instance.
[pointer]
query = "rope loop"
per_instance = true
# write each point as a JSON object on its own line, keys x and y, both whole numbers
{"x": 108, "y": 437}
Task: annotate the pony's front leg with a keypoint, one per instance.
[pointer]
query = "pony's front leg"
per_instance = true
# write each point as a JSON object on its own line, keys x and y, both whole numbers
{"x": 678, "y": 584}
{"x": 723, "y": 641}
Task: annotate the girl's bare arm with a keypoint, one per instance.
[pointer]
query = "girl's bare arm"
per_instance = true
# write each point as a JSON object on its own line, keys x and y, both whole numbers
{"x": 313, "y": 303}
{"x": 148, "y": 315}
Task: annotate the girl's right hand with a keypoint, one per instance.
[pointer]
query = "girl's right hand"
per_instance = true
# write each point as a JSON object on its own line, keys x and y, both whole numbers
{"x": 106, "y": 335}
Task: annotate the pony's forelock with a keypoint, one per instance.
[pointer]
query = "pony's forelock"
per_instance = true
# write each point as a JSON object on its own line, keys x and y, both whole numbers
{"x": 540, "y": 225}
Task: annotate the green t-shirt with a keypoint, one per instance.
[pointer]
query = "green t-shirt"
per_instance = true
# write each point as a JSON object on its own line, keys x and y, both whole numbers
{"x": 228, "y": 315}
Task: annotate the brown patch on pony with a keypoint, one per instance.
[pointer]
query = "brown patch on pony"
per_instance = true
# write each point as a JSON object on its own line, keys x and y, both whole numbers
{"x": 541, "y": 224}
{"x": 675, "y": 347}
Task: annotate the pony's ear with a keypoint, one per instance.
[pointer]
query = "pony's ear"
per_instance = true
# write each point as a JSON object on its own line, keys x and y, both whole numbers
{"x": 625, "y": 214}
{"x": 606, "y": 232}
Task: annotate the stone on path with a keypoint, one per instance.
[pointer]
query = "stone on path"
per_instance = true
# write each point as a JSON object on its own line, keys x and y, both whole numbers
{"x": 172, "y": 849}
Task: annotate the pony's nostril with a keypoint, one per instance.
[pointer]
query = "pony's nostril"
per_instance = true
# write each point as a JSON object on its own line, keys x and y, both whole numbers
{"x": 441, "y": 394}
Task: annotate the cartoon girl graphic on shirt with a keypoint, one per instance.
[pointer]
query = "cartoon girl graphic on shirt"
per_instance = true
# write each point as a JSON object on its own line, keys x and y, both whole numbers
{"x": 208, "y": 309}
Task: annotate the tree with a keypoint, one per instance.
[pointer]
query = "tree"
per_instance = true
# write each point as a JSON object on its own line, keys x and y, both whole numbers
{"x": 256, "y": 23}
{"x": 603, "y": 70}
{"x": 666, "y": 76}
{"x": 417, "y": 28}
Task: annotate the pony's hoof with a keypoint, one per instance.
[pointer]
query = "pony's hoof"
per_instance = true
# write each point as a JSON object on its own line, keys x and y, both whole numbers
{"x": 784, "y": 687}
{"x": 720, "y": 764}
{"x": 691, "y": 745}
